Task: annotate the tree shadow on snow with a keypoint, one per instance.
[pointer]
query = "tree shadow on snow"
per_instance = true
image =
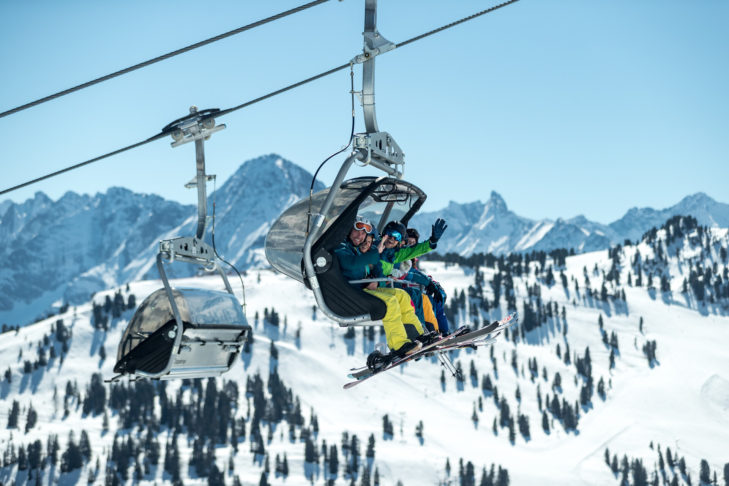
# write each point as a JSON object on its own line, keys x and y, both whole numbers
{"x": 271, "y": 332}
{"x": 349, "y": 342}
{"x": 246, "y": 358}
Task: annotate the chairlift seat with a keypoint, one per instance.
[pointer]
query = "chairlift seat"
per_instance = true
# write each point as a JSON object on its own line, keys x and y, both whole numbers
{"x": 213, "y": 330}
{"x": 378, "y": 199}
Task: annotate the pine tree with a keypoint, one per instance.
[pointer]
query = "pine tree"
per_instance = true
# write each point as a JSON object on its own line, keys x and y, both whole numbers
{"x": 309, "y": 451}
{"x": 85, "y": 445}
{"x": 13, "y": 415}
{"x": 503, "y": 477}
{"x": 419, "y": 430}
{"x": 71, "y": 458}
{"x": 52, "y": 448}
{"x": 31, "y": 418}
{"x": 371, "y": 447}
{"x": 264, "y": 480}
{"x": 35, "y": 451}
{"x": 704, "y": 472}
{"x": 365, "y": 481}
{"x": 486, "y": 385}
{"x": 545, "y": 422}
{"x": 333, "y": 460}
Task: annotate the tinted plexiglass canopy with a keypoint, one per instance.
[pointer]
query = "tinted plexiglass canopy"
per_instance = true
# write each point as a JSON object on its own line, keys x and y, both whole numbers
{"x": 285, "y": 240}
{"x": 197, "y": 307}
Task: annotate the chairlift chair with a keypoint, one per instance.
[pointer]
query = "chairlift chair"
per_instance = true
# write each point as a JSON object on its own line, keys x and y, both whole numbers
{"x": 378, "y": 199}
{"x": 185, "y": 332}
{"x": 154, "y": 345}
{"x": 301, "y": 242}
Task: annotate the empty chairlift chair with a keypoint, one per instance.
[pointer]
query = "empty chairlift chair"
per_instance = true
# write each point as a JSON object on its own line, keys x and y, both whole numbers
{"x": 205, "y": 344}
{"x": 185, "y": 332}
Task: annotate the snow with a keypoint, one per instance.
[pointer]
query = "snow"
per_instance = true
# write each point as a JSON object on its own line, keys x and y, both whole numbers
{"x": 681, "y": 402}
{"x": 535, "y": 234}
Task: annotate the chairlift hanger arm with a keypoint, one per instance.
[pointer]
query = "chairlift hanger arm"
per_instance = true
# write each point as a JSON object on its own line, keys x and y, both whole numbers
{"x": 374, "y": 44}
{"x": 196, "y": 127}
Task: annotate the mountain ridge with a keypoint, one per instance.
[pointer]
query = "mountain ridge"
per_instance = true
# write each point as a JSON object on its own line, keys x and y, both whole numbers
{"x": 513, "y": 233}
{"x": 96, "y": 242}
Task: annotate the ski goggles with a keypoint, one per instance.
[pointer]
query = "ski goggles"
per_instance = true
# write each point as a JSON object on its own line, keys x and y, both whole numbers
{"x": 362, "y": 226}
{"x": 395, "y": 234}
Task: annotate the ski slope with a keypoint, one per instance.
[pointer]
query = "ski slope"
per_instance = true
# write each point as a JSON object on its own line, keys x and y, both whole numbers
{"x": 681, "y": 403}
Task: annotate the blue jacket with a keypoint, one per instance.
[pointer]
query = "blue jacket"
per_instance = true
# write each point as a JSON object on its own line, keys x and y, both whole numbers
{"x": 355, "y": 265}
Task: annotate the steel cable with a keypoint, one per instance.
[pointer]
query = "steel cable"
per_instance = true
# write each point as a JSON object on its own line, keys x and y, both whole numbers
{"x": 259, "y": 99}
{"x": 162, "y": 57}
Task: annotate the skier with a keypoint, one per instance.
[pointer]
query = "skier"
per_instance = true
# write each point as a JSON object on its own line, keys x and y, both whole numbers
{"x": 395, "y": 254}
{"x": 402, "y": 326}
{"x": 429, "y": 304}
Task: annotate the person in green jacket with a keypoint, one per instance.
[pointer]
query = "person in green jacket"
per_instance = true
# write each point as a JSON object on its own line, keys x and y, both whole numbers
{"x": 394, "y": 253}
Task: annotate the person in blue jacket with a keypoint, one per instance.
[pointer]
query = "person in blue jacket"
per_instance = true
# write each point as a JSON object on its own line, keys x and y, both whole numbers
{"x": 402, "y": 326}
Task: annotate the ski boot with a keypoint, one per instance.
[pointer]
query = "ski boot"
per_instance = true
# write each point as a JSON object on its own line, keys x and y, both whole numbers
{"x": 428, "y": 338}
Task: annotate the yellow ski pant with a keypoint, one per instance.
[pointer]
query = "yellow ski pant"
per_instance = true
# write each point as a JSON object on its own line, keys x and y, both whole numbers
{"x": 399, "y": 312}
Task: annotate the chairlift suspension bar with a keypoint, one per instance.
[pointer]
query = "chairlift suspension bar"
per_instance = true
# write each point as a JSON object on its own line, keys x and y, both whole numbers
{"x": 202, "y": 202}
{"x": 368, "y": 67}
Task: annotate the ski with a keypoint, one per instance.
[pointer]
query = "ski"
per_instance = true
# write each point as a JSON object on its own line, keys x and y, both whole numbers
{"x": 483, "y": 336}
{"x": 453, "y": 341}
{"x": 364, "y": 372}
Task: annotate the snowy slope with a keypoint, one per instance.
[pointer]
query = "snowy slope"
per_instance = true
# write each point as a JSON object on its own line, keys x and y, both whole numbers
{"x": 682, "y": 402}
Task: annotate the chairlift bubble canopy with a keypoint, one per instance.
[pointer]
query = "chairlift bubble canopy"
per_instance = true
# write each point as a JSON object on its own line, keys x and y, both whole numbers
{"x": 214, "y": 328}
{"x": 378, "y": 199}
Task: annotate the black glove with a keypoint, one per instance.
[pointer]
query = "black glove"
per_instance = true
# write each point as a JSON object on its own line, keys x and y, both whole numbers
{"x": 437, "y": 230}
{"x": 440, "y": 294}
{"x": 431, "y": 289}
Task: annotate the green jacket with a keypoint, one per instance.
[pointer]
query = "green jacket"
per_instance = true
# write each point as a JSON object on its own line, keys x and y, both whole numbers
{"x": 390, "y": 257}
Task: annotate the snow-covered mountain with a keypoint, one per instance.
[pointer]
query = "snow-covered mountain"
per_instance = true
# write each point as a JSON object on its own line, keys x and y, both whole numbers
{"x": 476, "y": 227}
{"x": 251, "y": 200}
{"x": 53, "y": 250}
{"x": 479, "y": 227}
{"x": 95, "y": 242}
{"x": 637, "y": 220}
{"x": 590, "y": 389}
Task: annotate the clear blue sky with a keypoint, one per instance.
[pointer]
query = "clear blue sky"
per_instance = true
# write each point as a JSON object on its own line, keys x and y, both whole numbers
{"x": 563, "y": 107}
